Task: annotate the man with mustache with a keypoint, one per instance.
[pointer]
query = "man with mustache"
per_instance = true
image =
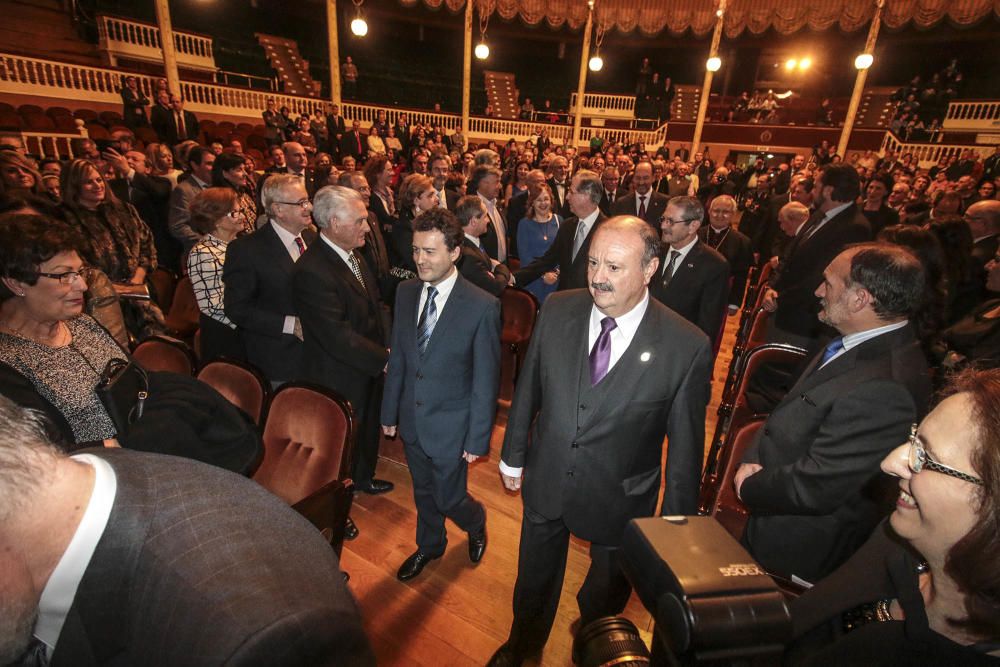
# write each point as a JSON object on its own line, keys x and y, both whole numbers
{"x": 608, "y": 373}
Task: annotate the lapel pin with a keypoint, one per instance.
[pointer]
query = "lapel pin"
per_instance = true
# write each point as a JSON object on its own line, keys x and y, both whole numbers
{"x": 645, "y": 356}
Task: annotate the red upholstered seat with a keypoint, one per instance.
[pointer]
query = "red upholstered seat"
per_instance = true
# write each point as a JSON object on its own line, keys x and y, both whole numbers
{"x": 728, "y": 509}
{"x": 160, "y": 353}
{"x": 182, "y": 318}
{"x": 242, "y": 385}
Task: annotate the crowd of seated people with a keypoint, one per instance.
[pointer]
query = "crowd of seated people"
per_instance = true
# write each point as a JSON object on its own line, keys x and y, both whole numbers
{"x": 237, "y": 229}
{"x": 922, "y": 103}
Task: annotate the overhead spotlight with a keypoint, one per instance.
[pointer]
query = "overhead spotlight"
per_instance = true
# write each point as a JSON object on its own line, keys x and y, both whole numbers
{"x": 791, "y": 63}
{"x": 596, "y": 64}
{"x": 482, "y": 51}
{"x": 713, "y": 64}
{"x": 805, "y": 64}
{"x": 864, "y": 61}
{"x": 359, "y": 27}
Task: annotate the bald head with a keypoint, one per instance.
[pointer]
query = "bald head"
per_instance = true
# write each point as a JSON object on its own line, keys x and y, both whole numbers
{"x": 792, "y": 216}
{"x": 983, "y": 218}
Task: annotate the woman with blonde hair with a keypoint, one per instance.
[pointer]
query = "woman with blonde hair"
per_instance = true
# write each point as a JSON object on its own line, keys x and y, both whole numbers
{"x": 161, "y": 163}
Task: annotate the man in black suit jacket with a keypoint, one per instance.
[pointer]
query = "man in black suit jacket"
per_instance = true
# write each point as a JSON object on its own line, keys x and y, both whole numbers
{"x": 176, "y": 124}
{"x": 569, "y": 250}
{"x": 440, "y": 169}
{"x": 474, "y": 263}
{"x": 258, "y": 279}
{"x": 720, "y": 235}
{"x": 694, "y": 279}
{"x": 160, "y": 115}
{"x": 354, "y": 144}
{"x": 608, "y": 374}
{"x": 336, "y": 128}
{"x": 485, "y": 183}
{"x": 297, "y": 164}
{"x": 559, "y": 184}
{"x": 134, "y": 104}
{"x": 609, "y": 179}
{"x": 643, "y": 202}
{"x": 836, "y": 224}
{"x": 163, "y": 564}
{"x": 344, "y": 326}
{"x": 783, "y": 181}
{"x": 375, "y": 250}
{"x": 441, "y": 387}
{"x": 811, "y": 479}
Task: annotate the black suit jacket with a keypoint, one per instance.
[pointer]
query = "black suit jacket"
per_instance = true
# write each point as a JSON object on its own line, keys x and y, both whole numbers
{"x": 246, "y": 583}
{"x": 150, "y": 195}
{"x": 802, "y": 271}
{"x": 168, "y": 131}
{"x": 572, "y": 272}
{"x": 560, "y": 206}
{"x": 258, "y": 279}
{"x": 134, "y": 103}
{"x": 479, "y": 270}
{"x": 607, "y": 201}
{"x": 344, "y": 327}
{"x": 736, "y": 248}
{"x": 161, "y": 120}
{"x": 656, "y": 204}
{"x": 699, "y": 289}
{"x": 819, "y": 495}
{"x": 596, "y": 463}
{"x": 349, "y": 145}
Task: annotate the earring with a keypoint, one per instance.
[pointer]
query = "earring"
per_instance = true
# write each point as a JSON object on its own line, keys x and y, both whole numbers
{"x": 20, "y": 293}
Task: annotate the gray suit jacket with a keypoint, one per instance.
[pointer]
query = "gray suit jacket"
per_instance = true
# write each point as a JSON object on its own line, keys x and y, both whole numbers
{"x": 597, "y": 464}
{"x": 199, "y": 566}
{"x": 445, "y": 399}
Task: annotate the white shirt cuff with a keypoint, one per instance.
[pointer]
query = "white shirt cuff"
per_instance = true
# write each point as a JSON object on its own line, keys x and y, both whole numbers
{"x": 289, "y": 327}
{"x": 510, "y": 472}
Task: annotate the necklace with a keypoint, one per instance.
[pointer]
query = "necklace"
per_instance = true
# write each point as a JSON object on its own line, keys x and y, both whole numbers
{"x": 57, "y": 340}
{"x": 708, "y": 238}
{"x": 545, "y": 227}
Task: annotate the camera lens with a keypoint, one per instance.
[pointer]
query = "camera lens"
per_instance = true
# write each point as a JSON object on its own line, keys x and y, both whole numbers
{"x": 612, "y": 640}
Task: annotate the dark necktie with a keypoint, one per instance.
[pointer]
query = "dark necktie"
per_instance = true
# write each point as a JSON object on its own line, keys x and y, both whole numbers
{"x": 300, "y": 244}
{"x": 356, "y": 269}
{"x": 36, "y": 655}
{"x": 428, "y": 318}
{"x": 832, "y": 349}
{"x": 181, "y": 130}
{"x": 668, "y": 272}
{"x": 642, "y": 206}
{"x": 600, "y": 355}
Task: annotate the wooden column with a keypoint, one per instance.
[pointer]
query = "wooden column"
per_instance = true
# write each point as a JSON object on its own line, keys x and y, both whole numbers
{"x": 333, "y": 45}
{"x": 706, "y": 89}
{"x": 859, "y": 82}
{"x": 581, "y": 86}
{"x": 167, "y": 47}
{"x": 467, "y": 69}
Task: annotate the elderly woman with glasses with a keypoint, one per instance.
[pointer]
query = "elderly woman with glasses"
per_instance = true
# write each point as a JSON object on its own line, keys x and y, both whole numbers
{"x": 925, "y": 589}
{"x": 51, "y": 354}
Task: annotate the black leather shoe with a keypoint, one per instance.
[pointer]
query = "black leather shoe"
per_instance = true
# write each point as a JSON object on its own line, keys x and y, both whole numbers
{"x": 413, "y": 565}
{"x": 477, "y": 546}
{"x": 350, "y": 530}
{"x": 505, "y": 657}
{"x": 376, "y": 486}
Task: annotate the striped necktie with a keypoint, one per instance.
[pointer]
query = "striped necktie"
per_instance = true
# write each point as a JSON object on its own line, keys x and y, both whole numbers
{"x": 428, "y": 318}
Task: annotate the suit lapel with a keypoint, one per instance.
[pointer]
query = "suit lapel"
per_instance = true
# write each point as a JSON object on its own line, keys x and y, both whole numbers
{"x": 278, "y": 249}
{"x": 446, "y": 315}
{"x": 688, "y": 266}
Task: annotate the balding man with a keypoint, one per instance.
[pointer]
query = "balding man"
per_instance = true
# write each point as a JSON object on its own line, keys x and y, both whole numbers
{"x": 811, "y": 479}
{"x": 792, "y": 217}
{"x": 608, "y": 374}
{"x": 643, "y": 202}
{"x": 720, "y": 235}
{"x": 983, "y": 219}
{"x": 609, "y": 178}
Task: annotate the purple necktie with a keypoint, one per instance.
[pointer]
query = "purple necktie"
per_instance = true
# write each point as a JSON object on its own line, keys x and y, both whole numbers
{"x": 600, "y": 356}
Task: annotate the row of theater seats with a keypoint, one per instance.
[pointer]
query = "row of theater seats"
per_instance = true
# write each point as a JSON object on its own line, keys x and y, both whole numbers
{"x": 308, "y": 432}
{"x": 738, "y": 421}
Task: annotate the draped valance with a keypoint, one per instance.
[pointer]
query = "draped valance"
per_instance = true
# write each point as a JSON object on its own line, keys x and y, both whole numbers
{"x": 652, "y": 17}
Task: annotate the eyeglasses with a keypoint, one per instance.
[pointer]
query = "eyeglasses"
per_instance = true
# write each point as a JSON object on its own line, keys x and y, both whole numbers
{"x": 235, "y": 214}
{"x": 302, "y": 203}
{"x": 66, "y": 277}
{"x": 919, "y": 459}
{"x": 665, "y": 219}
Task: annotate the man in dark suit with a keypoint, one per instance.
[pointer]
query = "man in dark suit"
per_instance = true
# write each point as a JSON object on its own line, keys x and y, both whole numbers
{"x": 569, "y": 250}
{"x": 258, "y": 279}
{"x": 441, "y": 387}
{"x": 485, "y": 183}
{"x": 609, "y": 179}
{"x": 336, "y": 128}
{"x": 731, "y": 244}
{"x": 683, "y": 152}
{"x": 643, "y": 202}
{"x": 353, "y": 143}
{"x": 181, "y": 125}
{"x": 297, "y": 164}
{"x": 160, "y": 115}
{"x": 983, "y": 219}
{"x": 694, "y": 278}
{"x": 344, "y": 327}
{"x": 134, "y": 104}
{"x": 160, "y": 562}
{"x": 375, "y": 250}
{"x": 440, "y": 168}
{"x": 559, "y": 184}
{"x": 811, "y": 479}
{"x": 474, "y": 263}
{"x": 835, "y": 224}
{"x": 607, "y": 375}
{"x": 200, "y": 163}
{"x": 783, "y": 181}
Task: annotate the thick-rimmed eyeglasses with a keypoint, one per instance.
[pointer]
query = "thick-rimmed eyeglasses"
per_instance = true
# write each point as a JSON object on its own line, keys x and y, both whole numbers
{"x": 683, "y": 221}
{"x": 302, "y": 203}
{"x": 66, "y": 277}
{"x": 919, "y": 459}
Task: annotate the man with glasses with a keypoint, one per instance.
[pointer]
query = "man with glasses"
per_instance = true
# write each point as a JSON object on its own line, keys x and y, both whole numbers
{"x": 693, "y": 278}
{"x": 258, "y": 279}
{"x": 732, "y": 244}
{"x": 811, "y": 478}
{"x": 643, "y": 202}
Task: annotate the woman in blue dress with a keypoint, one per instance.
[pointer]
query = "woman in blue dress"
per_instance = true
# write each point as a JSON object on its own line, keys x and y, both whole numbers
{"x": 535, "y": 233}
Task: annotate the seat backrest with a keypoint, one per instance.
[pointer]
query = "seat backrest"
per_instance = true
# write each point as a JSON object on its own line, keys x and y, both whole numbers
{"x": 757, "y": 335}
{"x": 774, "y": 355}
{"x": 728, "y": 509}
{"x": 160, "y": 353}
{"x": 518, "y": 311}
{"x": 308, "y": 441}
{"x": 164, "y": 282}
{"x": 240, "y": 383}
{"x": 183, "y": 314}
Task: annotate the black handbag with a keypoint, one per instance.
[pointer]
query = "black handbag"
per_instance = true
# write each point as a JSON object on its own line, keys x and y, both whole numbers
{"x": 123, "y": 390}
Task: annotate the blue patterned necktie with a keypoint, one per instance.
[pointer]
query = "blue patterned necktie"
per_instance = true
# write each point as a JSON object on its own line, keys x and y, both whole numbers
{"x": 428, "y": 318}
{"x": 600, "y": 356}
{"x": 832, "y": 349}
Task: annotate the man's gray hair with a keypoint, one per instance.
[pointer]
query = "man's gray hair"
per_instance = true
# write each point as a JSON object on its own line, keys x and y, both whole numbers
{"x": 331, "y": 201}
{"x": 486, "y": 156}
{"x": 690, "y": 207}
{"x": 590, "y": 183}
{"x": 26, "y": 455}
{"x": 274, "y": 186}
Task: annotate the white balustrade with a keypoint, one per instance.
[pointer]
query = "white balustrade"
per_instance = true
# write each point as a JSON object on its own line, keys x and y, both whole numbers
{"x": 972, "y": 115}
{"x": 927, "y": 154}
{"x": 124, "y": 38}
{"x": 53, "y": 144}
{"x": 605, "y": 105}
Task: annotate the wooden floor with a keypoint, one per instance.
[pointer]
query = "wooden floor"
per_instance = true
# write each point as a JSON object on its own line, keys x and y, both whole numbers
{"x": 457, "y": 613}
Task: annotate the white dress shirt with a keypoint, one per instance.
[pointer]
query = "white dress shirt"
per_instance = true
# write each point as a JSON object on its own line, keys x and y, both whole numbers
{"x": 680, "y": 260}
{"x": 288, "y": 240}
{"x": 443, "y": 288}
{"x": 499, "y": 227}
{"x": 855, "y": 339}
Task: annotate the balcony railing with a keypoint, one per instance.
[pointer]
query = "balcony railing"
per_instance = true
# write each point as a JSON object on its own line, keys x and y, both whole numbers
{"x": 972, "y": 115}
{"x": 124, "y": 38}
{"x": 605, "y": 106}
{"x": 928, "y": 155}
